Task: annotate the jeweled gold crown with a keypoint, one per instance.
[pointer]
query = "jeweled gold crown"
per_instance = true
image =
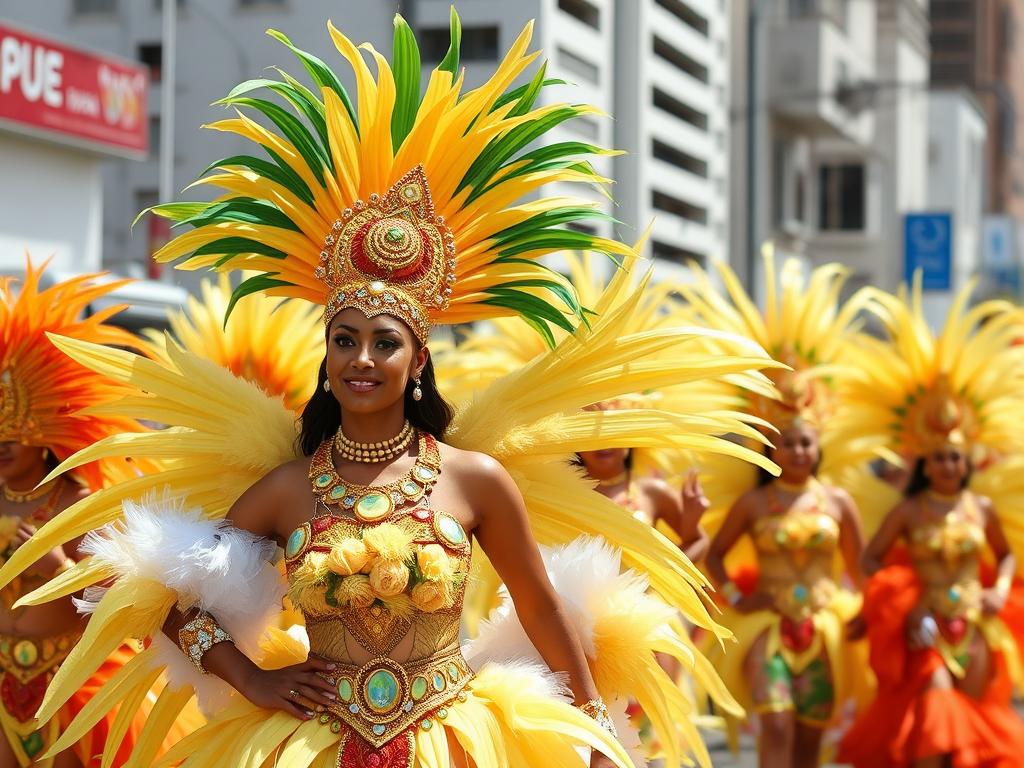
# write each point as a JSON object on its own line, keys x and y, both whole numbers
{"x": 391, "y": 255}
{"x": 15, "y": 421}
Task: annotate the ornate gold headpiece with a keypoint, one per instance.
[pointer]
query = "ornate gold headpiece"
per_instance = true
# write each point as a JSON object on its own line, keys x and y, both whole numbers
{"x": 15, "y": 418}
{"x": 391, "y": 255}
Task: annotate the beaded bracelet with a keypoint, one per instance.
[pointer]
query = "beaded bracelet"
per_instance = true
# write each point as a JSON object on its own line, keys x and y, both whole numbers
{"x": 198, "y": 636}
{"x": 598, "y": 712}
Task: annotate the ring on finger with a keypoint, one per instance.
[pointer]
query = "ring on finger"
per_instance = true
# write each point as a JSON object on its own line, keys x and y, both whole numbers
{"x": 293, "y": 694}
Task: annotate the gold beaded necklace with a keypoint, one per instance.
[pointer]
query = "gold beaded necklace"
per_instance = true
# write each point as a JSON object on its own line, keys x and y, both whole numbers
{"x": 33, "y": 494}
{"x": 373, "y": 453}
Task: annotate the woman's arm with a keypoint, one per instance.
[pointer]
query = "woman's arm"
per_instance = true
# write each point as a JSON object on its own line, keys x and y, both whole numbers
{"x": 296, "y": 689}
{"x": 893, "y": 526}
{"x": 1006, "y": 564}
{"x": 851, "y": 536}
{"x": 503, "y": 531}
{"x": 682, "y": 513}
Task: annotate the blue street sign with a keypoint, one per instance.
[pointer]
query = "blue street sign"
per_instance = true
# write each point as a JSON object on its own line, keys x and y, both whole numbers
{"x": 928, "y": 246}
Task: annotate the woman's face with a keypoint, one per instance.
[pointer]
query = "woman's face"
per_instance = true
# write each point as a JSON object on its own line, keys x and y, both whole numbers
{"x": 946, "y": 469}
{"x": 606, "y": 464}
{"x": 797, "y": 452}
{"x": 17, "y": 460}
{"x": 370, "y": 360}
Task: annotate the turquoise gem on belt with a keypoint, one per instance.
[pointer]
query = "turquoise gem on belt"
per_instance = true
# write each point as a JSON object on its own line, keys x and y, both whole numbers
{"x": 382, "y": 690}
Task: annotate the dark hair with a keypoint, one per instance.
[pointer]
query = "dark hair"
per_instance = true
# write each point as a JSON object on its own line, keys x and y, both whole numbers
{"x": 919, "y": 480}
{"x": 322, "y": 415}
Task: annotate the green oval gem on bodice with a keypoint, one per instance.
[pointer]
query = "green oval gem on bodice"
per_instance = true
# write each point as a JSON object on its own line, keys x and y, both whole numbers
{"x": 337, "y": 492}
{"x": 296, "y": 542}
{"x": 382, "y": 690}
{"x": 322, "y": 481}
{"x": 395, "y": 235}
{"x": 450, "y": 530}
{"x": 373, "y": 506}
{"x": 411, "y": 489}
{"x": 424, "y": 474}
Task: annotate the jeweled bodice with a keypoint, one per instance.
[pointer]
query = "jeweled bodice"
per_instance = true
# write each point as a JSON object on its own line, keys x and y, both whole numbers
{"x": 796, "y": 548}
{"x": 945, "y": 550}
{"x": 383, "y": 601}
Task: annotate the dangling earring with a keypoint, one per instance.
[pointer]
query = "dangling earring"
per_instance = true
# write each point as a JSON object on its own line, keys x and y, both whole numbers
{"x": 327, "y": 385}
{"x": 417, "y": 393}
{"x": 46, "y": 454}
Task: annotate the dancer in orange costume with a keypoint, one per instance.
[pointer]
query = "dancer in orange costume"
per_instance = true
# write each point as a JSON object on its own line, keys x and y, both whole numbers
{"x": 41, "y": 395}
{"x": 941, "y": 649}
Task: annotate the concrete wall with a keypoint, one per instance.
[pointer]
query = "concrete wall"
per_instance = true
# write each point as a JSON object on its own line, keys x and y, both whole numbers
{"x": 52, "y": 205}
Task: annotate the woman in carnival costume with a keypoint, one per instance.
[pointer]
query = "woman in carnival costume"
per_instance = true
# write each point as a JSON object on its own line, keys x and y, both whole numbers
{"x": 395, "y": 214}
{"x": 42, "y": 394}
{"x": 944, "y": 658}
{"x": 793, "y": 666}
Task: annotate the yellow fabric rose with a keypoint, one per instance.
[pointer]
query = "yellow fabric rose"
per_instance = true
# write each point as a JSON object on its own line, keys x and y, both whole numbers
{"x": 434, "y": 563}
{"x": 430, "y": 596}
{"x": 355, "y": 591}
{"x": 389, "y": 577}
{"x": 348, "y": 557}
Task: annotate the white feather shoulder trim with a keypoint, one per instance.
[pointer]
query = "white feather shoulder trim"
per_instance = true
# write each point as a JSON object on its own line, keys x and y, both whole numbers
{"x": 209, "y": 563}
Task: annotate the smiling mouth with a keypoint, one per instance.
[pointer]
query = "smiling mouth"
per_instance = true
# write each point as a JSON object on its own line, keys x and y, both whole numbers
{"x": 361, "y": 385}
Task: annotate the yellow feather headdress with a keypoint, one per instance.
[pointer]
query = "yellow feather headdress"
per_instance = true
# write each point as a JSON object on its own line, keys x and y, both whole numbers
{"x": 404, "y": 203}
{"x": 484, "y": 356}
{"x": 803, "y": 325}
{"x": 275, "y": 343}
{"x": 915, "y": 391}
{"x": 47, "y": 399}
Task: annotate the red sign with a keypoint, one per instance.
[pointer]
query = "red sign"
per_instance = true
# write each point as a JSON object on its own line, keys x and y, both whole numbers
{"x": 72, "y": 95}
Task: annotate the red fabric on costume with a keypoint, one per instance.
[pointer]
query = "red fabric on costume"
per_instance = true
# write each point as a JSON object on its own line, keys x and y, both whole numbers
{"x": 909, "y": 721}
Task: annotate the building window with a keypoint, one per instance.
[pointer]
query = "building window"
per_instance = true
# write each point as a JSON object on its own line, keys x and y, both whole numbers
{"x": 841, "y": 197}
{"x": 585, "y": 126}
{"x": 685, "y": 14}
{"x": 676, "y": 157}
{"x": 152, "y": 55}
{"x": 951, "y": 42}
{"x": 676, "y": 108}
{"x": 680, "y": 60}
{"x": 582, "y": 10}
{"x": 154, "y": 136}
{"x": 951, "y": 9}
{"x": 478, "y": 43}
{"x": 578, "y": 66}
{"x": 94, "y": 7}
{"x": 579, "y": 226}
{"x": 675, "y": 254}
{"x": 669, "y": 204}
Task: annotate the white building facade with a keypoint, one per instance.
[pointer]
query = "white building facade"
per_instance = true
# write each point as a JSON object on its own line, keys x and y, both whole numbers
{"x": 840, "y": 132}
{"x": 658, "y": 68}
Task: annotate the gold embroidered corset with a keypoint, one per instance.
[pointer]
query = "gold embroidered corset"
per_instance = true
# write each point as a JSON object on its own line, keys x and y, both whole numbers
{"x": 384, "y": 601}
{"x": 945, "y": 551}
{"x": 795, "y": 552}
